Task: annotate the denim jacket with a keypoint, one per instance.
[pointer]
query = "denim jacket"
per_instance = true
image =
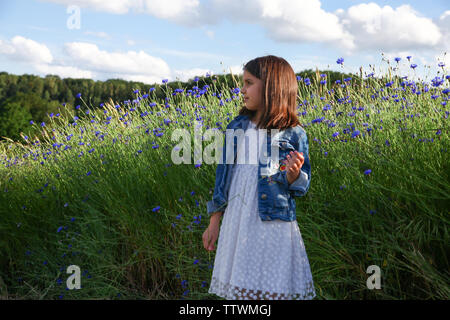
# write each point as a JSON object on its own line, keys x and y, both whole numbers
{"x": 275, "y": 195}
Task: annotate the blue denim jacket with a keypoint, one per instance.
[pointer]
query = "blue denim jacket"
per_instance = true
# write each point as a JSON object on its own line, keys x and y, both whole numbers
{"x": 275, "y": 195}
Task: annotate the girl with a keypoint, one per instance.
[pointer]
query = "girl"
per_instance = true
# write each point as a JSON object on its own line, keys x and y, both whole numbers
{"x": 260, "y": 252}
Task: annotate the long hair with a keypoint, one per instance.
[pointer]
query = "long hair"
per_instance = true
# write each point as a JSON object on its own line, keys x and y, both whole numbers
{"x": 279, "y": 92}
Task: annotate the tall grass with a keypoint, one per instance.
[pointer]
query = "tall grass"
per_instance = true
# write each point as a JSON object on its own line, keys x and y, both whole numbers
{"x": 102, "y": 193}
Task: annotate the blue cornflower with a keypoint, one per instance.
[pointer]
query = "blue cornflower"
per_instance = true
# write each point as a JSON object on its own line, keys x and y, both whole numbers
{"x": 59, "y": 229}
{"x": 437, "y": 81}
{"x": 368, "y": 171}
{"x": 355, "y": 133}
{"x": 398, "y": 59}
{"x": 156, "y": 208}
{"x": 413, "y": 65}
{"x": 78, "y": 96}
{"x": 340, "y": 61}
{"x": 165, "y": 80}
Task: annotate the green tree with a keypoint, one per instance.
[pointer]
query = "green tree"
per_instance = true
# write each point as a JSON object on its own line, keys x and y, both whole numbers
{"x": 14, "y": 118}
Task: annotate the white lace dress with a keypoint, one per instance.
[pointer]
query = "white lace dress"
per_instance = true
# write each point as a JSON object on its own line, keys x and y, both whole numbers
{"x": 258, "y": 259}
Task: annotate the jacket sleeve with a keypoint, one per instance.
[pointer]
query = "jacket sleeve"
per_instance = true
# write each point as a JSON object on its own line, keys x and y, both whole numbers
{"x": 219, "y": 200}
{"x": 300, "y": 186}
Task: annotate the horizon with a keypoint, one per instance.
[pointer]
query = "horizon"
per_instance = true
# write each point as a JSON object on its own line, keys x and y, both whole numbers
{"x": 146, "y": 41}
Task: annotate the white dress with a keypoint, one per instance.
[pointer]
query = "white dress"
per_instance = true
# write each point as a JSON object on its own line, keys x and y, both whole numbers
{"x": 258, "y": 259}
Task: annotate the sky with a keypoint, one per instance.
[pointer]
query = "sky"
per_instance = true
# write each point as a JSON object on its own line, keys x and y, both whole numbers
{"x": 152, "y": 40}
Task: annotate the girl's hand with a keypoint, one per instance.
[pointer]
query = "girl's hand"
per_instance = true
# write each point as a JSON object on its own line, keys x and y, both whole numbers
{"x": 210, "y": 236}
{"x": 294, "y": 163}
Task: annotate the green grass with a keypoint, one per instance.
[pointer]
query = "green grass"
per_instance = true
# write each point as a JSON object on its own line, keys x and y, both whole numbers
{"x": 395, "y": 217}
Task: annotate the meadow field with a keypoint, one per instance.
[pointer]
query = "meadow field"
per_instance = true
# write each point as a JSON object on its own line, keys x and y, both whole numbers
{"x": 100, "y": 192}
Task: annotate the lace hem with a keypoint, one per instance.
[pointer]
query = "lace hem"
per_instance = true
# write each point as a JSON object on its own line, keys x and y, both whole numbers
{"x": 231, "y": 292}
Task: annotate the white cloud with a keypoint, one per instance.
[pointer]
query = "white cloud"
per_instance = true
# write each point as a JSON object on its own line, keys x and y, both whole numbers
{"x": 445, "y": 15}
{"x": 179, "y": 11}
{"x": 302, "y": 20}
{"x": 386, "y": 28}
{"x": 185, "y": 75}
{"x": 25, "y": 50}
{"x": 63, "y": 71}
{"x": 148, "y": 79}
{"x": 283, "y": 20}
{"x": 137, "y": 63}
{"x": 236, "y": 69}
{"x": 444, "y": 25}
{"x": 364, "y": 26}
{"x": 111, "y": 6}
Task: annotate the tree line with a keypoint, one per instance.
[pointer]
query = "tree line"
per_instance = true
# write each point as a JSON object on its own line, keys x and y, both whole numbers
{"x": 28, "y": 97}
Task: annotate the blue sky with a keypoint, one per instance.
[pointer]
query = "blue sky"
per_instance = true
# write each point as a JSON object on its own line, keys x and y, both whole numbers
{"x": 148, "y": 40}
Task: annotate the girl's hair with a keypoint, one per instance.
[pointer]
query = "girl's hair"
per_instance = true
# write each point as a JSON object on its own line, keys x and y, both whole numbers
{"x": 279, "y": 92}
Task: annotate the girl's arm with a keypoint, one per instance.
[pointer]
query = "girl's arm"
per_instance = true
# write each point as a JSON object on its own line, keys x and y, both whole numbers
{"x": 300, "y": 185}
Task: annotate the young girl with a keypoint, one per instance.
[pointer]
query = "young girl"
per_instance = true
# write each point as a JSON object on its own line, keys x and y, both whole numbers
{"x": 260, "y": 252}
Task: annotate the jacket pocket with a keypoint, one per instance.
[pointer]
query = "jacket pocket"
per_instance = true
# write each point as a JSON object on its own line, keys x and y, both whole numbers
{"x": 285, "y": 145}
{"x": 280, "y": 195}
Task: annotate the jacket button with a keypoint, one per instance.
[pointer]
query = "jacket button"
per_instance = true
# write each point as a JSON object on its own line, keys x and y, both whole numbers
{"x": 264, "y": 196}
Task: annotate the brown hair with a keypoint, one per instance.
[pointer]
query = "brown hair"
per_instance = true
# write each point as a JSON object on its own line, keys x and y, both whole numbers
{"x": 279, "y": 92}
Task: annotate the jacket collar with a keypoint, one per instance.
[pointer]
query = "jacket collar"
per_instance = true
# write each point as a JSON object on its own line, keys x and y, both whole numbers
{"x": 242, "y": 123}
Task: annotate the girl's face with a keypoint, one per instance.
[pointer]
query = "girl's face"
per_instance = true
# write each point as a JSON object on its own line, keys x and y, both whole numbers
{"x": 252, "y": 91}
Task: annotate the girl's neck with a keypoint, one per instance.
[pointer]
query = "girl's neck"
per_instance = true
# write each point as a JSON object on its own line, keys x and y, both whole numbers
{"x": 255, "y": 118}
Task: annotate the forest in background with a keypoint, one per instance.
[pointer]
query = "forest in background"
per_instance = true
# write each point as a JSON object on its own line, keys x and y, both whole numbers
{"x": 28, "y": 97}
